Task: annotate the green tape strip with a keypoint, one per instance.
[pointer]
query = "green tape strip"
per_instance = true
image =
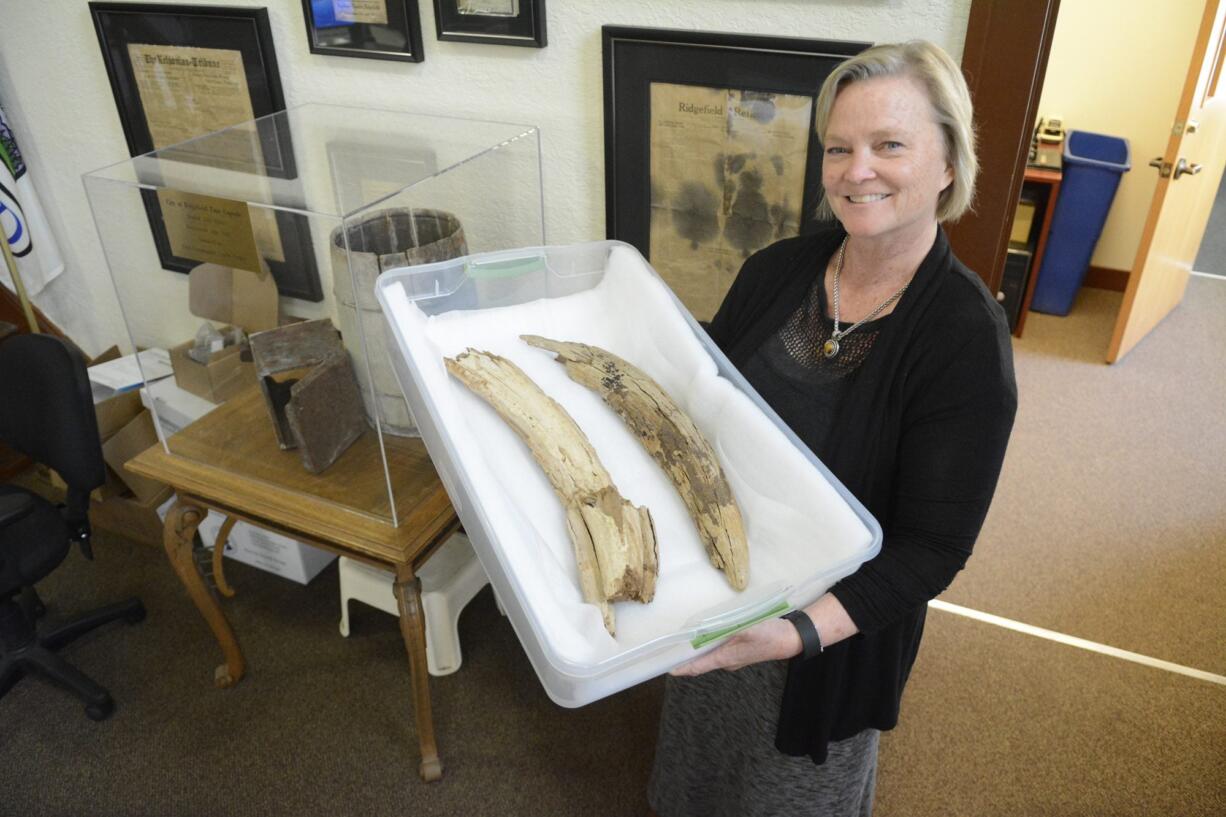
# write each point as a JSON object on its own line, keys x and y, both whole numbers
{"x": 706, "y": 638}
{"x": 506, "y": 269}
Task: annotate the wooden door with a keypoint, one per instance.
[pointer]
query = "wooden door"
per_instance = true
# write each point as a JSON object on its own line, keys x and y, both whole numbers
{"x": 1004, "y": 60}
{"x": 1190, "y": 172}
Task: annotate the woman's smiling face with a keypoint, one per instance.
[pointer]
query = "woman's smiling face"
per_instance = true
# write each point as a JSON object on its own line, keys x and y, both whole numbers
{"x": 885, "y": 163}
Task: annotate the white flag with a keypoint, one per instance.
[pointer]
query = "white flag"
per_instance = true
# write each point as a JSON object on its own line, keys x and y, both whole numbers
{"x": 21, "y": 215}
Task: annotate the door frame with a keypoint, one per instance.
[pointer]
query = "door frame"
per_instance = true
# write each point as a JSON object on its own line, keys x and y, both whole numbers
{"x": 1004, "y": 60}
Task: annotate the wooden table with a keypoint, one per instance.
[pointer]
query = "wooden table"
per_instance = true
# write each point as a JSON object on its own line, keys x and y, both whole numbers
{"x": 229, "y": 461}
{"x": 1048, "y": 179}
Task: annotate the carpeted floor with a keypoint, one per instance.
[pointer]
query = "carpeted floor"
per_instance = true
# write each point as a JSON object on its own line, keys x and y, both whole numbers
{"x": 1109, "y": 525}
{"x": 1109, "y": 521}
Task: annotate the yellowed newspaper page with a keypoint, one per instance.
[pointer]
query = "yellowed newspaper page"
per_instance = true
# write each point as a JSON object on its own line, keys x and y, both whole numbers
{"x": 187, "y": 92}
{"x": 727, "y": 179}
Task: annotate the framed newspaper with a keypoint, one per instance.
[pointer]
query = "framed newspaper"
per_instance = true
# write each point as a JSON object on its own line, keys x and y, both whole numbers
{"x": 181, "y": 71}
{"x": 710, "y": 151}
{"x": 376, "y": 29}
{"x": 497, "y": 22}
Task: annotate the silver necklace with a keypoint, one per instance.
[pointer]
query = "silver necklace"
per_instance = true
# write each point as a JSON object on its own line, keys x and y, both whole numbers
{"x": 830, "y": 348}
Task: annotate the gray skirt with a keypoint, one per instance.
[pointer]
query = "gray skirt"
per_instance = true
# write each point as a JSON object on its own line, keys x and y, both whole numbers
{"x": 716, "y": 754}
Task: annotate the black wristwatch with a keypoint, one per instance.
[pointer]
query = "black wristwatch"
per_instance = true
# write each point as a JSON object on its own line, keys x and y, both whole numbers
{"x": 809, "y": 638}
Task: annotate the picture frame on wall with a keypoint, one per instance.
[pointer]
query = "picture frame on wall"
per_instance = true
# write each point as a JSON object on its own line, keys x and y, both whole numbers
{"x": 496, "y": 22}
{"x": 710, "y": 149}
{"x": 374, "y": 29}
{"x": 181, "y": 71}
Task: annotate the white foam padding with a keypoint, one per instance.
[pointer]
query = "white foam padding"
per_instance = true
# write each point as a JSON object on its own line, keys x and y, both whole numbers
{"x": 797, "y": 524}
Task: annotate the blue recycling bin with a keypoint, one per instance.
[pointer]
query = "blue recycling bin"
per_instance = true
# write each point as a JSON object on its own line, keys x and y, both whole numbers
{"x": 1092, "y": 164}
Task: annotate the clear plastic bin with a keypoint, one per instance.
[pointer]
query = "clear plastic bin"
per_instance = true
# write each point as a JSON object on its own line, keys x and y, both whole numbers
{"x": 605, "y": 294}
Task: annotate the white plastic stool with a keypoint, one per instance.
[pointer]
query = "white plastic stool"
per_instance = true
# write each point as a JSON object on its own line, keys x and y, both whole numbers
{"x": 449, "y": 580}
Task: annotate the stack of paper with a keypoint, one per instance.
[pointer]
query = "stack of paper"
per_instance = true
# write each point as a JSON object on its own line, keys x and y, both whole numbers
{"x": 130, "y": 371}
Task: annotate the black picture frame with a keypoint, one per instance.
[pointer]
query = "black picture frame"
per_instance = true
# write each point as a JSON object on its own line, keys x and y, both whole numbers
{"x": 524, "y": 25}
{"x": 247, "y": 31}
{"x": 635, "y": 58}
{"x": 398, "y": 38}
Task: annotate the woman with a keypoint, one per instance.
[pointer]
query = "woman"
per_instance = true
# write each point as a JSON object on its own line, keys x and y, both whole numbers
{"x": 892, "y": 362}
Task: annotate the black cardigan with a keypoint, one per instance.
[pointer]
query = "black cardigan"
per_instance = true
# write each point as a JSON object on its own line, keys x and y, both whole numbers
{"x": 919, "y": 439}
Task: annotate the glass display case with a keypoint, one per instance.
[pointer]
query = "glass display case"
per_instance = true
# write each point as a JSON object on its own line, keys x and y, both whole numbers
{"x": 250, "y": 255}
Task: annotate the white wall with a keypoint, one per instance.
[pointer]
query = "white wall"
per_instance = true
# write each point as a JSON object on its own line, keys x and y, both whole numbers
{"x": 1118, "y": 69}
{"x": 54, "y": 86}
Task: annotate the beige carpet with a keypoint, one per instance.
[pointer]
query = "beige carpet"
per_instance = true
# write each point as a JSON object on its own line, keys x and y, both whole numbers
{"x": 1110, "y": 519}
{"x": 1109, "y": 524}
{"x": 999, "y": 724}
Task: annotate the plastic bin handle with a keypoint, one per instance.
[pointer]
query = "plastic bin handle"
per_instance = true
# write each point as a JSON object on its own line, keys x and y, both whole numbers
{"x": 771, "y": 600}
{"x": 506, "y": 265}
{"x": 702, "y": 639}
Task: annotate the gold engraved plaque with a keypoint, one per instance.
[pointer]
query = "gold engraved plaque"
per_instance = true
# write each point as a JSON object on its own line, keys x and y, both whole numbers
{"x": 206, "y": 228}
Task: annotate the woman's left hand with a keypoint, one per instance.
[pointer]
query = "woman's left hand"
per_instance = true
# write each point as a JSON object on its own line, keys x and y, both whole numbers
{"x": 768, "y": 640}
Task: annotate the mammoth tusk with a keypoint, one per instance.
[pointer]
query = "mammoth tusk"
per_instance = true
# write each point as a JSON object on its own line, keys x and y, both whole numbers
{"x": 614, "y": 541}
{"x": 673, "y": 440}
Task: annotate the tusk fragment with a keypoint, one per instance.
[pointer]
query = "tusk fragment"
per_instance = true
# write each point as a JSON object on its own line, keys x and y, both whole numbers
{"x": 614, "y": 541}
{"x": 673, "y": 440}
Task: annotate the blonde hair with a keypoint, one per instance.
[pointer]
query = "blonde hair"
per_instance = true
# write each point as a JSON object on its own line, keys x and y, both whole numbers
{"x": 941, "y": 78}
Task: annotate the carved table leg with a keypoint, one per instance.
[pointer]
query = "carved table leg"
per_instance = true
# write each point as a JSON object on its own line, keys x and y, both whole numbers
{"x": 413, "y": 628}
{"x": 219, "y": 549}
{"x": 177, "y": 537}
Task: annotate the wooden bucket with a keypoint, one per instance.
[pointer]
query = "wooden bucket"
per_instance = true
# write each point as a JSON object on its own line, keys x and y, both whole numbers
{"x": 383, "y": 240}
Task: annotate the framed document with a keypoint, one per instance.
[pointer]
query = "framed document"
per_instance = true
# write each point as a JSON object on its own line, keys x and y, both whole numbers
{"x": 181, "y": 71}
{"x": 501, "y": 22}
{"x": 377, "y": 29}
{"x": 366, "y": 172}
{"x": 710, "y": 151}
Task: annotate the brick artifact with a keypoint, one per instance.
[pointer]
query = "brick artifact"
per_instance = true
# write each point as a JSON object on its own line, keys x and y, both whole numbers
{"x": 310, "y": 390}
{"x": 325, "y": 412}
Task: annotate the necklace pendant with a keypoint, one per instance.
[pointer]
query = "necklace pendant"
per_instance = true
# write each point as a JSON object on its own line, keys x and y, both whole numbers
{"x": 830, "y": 348}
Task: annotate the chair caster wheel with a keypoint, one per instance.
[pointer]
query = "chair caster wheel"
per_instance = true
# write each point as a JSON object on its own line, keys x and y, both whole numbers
{"x": 136, "y": 616}
{"x": 100, "y": 712}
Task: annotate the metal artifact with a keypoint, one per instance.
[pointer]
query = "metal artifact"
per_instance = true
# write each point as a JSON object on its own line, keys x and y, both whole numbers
{"x": 310, "y": 390}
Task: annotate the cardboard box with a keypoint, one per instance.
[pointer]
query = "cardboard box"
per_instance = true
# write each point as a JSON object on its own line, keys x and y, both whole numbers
{"x": 275, "y": 553}
{"x": 140, "y": 521}
{"x": 224, "y": 376}
{"x": 1023, "y": 220}
{"x": 113, "y": 414}
{"x": 116, "y": 412}
{"x": 137, "y": 435}
{"x": 232, "y": 298}
{"x": 236, "y": 297}
{"x": 268, "y": 551}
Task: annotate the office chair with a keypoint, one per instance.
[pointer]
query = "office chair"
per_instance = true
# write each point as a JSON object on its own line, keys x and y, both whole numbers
{"x": 47, "y": 413}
